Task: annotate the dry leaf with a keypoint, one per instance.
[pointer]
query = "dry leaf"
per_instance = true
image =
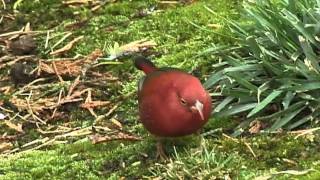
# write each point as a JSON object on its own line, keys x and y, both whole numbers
{"x": 69, "y": 67}
{"x": 136, "y": 46}
{"x": 5, "y": 146}
{"x": 14, "y": 126}
{"x": 256, "y": 127}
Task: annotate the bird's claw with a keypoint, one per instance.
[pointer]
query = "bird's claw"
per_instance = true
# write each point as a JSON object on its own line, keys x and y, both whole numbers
{"x": 160, "y": 152}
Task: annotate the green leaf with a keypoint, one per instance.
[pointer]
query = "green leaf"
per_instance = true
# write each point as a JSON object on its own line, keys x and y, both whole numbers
{"x": 300, "y": 122}
{"x": 311, "y": 56}
{"x": 213, "y": 79}
{"x": 235, "y": 109}
{"x": 254, "y": 47}
{"x": 247, "y": 67}
{"x": 295, "y": 22}
{"x": 283, "y": 121}
{"x": 291, "y": 108}
{"x": 305, "y": 87}
{"x": 264, "y": 103}
{"x": 225, "y": 102}
{"x": 240, "y": 79}
{"x": 287, "y": 99}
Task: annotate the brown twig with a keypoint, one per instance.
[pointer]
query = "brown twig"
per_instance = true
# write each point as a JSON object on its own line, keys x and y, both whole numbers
{"x": 61, "y": 40}
{"x": 67, "y": 47}
{"x": 250, "y": 149}
{"x": 56, "y": 71}
{"x": 36, "y": 118}
{"x": 305, "y": 132}
{"x": 73, "y": 86}
{"x": 58, "y": 104}
{"x": 21, "y": 32}
{"x": 95, "y": 139}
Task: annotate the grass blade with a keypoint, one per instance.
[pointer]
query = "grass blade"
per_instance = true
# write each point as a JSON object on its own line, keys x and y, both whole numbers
{"x": 264, "y": 103}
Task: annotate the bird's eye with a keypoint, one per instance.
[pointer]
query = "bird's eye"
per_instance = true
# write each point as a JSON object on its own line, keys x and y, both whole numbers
{"x": 183, "y": 102}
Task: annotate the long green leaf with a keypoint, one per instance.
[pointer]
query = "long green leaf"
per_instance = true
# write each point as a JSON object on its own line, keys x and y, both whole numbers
{"x": 305, "y": 87}
{"x": 280, "y": 113}
{"x": 240, "y": 79}
{"x": 247, "y": 67}
{"x": 305, "y": 119}
{"x": 264, "y": 103}
{"x": 223, "y": 104}
{"x": 287, "y": 99}
{"x": 283, "y": 121}
{"x": 295, "y": 22}
{"x": 213, "y": 79}
{"x": 235, "y": 109}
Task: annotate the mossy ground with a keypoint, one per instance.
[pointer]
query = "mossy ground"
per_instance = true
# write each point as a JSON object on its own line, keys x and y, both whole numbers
{"x": 181, "y": 33}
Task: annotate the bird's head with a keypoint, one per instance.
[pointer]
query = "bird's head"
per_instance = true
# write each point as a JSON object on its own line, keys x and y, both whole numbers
{"x": 193, "y": 97}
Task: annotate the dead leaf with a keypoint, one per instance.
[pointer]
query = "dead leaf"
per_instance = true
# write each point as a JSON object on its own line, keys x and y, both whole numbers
{"x": 256, "y": 126}
{"x": 69, "y": 67}
{"x": 14, "y": 126}
{"x": 136, "y": 46}
{"x": 5, "y": 146}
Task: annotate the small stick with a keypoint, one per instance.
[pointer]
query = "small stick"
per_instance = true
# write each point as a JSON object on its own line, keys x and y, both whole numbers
{"x": 250, "y": 149}
{"x": 20, "y": 32}
{"x": 56, "y": 71}
{"x": 28, "y": 85}
{"x": 30, "y": 110}
{"x": 108, "y": 113}
{"x": 73, "y": 86}
{"x": 233, "y": 139}
{"x": 7, "y": 110}
{"x": 67, "y": 47}
{"x": 308, "y": 131}
{"x": 4, "y": 4}
{"x": 61, "y": 40}
{"x": 95, "y": 139}
{"x": 35, "y": 142}
{"x": 58, "y": 104}
{"x": 47, "y": 40}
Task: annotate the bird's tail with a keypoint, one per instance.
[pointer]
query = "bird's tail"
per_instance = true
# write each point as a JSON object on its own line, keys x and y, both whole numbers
{"x": 144, "y": 64}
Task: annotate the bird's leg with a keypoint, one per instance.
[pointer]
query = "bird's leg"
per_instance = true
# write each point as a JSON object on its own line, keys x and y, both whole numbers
{"x": 198, "y": 133}
{"x": 201, "y": 141}
{"x": 160, "y": 152}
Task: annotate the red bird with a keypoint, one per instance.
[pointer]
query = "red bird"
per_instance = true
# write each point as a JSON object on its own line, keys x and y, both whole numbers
{"x": 172, "y": 103}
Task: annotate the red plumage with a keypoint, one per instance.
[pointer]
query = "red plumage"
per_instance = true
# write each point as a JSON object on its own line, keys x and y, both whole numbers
{"x": 172, "y": 103}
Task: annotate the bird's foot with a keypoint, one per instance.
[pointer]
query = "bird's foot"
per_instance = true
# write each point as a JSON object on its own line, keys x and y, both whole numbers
{"x": 160, "y": 152}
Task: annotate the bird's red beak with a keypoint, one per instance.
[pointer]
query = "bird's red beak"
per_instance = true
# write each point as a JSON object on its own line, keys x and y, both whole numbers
{"x": 198, "y": 107}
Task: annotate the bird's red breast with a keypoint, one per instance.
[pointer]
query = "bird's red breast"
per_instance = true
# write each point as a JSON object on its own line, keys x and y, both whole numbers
{"x": 171, "y": 102}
